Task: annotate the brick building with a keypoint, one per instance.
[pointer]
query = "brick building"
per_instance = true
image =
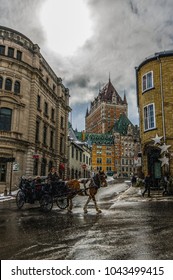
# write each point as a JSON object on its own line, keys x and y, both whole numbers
{"x": 154, "y": 78}
{"x": 104, "y": 110}
{"x": 34, "y": 108}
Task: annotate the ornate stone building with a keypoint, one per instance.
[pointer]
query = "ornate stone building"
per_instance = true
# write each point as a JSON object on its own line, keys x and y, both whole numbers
{"x": 114, "y": 139}
{"x": 154, "y": 78}
{"x": 105, "y": 110}
{"x": 34, "y": 108}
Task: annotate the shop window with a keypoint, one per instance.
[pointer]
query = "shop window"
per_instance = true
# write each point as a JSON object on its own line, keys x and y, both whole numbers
{"x": 3, "y": 169}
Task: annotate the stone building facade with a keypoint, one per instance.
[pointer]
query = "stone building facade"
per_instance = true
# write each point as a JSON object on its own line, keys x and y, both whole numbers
{"x": 154, "y": 78}
{"x": 34, "y": 108}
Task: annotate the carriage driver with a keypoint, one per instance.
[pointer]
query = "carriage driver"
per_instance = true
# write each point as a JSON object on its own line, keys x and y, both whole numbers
{"x": 53, "y": 176}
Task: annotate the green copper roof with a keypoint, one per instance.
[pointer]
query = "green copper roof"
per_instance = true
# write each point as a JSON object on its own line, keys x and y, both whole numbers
{"x": 101, "y": 139}
{"x": 121, "y": 125}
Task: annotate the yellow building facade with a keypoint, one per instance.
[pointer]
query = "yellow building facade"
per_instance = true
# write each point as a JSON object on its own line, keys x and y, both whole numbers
{"x": 154, "y": 78}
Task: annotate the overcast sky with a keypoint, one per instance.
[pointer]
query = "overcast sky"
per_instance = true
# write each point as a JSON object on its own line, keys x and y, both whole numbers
{"x": 85, "y": 40}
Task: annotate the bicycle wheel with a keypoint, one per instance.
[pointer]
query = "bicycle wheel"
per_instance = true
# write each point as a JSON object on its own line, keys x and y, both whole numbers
{"x": 46, "y": 203}
{"x": 20, "y": 199}
{"x": 62, "y": 202}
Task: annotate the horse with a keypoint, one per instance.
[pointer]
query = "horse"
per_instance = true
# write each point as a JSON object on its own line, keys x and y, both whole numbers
{"x": 90, "y": 188}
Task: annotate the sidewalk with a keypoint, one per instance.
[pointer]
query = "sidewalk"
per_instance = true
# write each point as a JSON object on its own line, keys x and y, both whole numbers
{"x": 8, "y": 197}
{"x": 133, "y": 193}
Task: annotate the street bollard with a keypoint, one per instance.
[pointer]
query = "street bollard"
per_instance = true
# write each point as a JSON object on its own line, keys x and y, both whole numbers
{"x": 5, "y": 192}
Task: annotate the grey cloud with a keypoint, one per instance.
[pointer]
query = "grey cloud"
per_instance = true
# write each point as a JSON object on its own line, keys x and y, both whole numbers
{"x": 22, "y": 15}
{"x": 81, "y": 81}
{"x": 125, "y": 32}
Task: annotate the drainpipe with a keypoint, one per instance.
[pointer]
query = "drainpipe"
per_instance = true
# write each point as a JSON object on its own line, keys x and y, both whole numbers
{"x": 162, "y": 100}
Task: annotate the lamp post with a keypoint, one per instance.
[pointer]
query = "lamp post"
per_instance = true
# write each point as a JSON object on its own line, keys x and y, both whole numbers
{"x": 11, "y": 173}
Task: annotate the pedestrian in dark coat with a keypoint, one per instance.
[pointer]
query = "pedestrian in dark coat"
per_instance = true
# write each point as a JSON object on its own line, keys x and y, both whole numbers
{"x": 53, "y": 176}
{"x": 148, "y": 183}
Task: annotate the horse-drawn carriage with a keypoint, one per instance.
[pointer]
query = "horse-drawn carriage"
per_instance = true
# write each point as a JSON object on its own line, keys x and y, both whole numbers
{"x": 32, "y": 190}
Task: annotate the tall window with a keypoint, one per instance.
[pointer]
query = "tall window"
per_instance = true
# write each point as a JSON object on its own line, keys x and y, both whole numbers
{"x": 5, "y": 119}
{"x": 62, "y": 122}
{"x": 2, "y": 50}
{"x": 51, "y": 139}
{"x": 36, "y": 163}
{"x": 10, "y": 52}
{"x": 52, "y": 114}
{"x": 38, "y": 102}
{"x": 99, "y": 160}
{"x": 19, "y": 55}
{"x": 46, "y": 108}
{"x": 17, "y": 87}
{"x": 72, "y": 151}
{"x": 62, "y": 145}
{"x": 149, "y": 117}
{"x": 45, "y": 135}
{"x": 37, "y": 132}
{"x": 147, "y": 81}
{"x": 8, "y": 84}
{"x": 1, "y": 82}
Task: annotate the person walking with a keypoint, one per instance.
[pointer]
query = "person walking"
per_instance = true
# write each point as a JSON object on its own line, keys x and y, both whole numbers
{"x": 148, "y": 182}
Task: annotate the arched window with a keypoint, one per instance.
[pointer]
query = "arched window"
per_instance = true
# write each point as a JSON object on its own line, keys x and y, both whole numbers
{"x": 1, "y": 82}
{"x": 5, "y": 119}
{"x": 17, "y": 87}
{"x": 8, "y": 84}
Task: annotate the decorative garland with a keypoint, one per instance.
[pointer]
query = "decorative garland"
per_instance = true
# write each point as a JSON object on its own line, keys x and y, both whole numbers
{"x": 164, "y": 149}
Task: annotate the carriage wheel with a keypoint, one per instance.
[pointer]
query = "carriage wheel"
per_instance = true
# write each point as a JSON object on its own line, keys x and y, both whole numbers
{"x": 20, "y": 199}
{"x": 46, "y": 203}
{"x": 62, "y": 202}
